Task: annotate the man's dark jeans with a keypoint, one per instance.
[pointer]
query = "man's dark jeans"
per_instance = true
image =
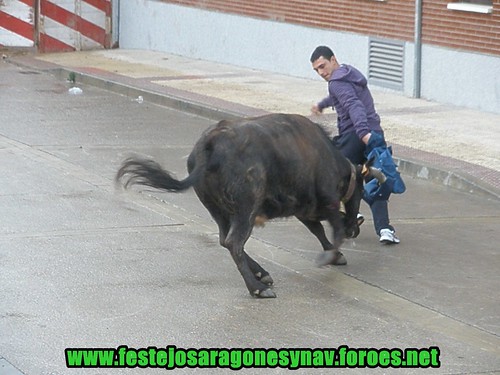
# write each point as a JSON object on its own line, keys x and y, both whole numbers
{"x": 354, "y": 149}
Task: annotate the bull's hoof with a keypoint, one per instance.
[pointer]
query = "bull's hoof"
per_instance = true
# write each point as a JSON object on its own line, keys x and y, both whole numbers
{"x": 340, "y": 261}
{"x": 268, "y": 280}
{"x": 266, "y": 293}
{"x": 352, "y": 233}
{"x": 327, "y": 257}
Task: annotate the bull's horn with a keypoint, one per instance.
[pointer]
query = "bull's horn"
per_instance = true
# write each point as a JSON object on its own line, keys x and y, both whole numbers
{"x": 377, "y": 173}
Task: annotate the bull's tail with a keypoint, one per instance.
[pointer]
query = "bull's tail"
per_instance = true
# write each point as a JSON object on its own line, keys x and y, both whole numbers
{"x": 136, "y": 171}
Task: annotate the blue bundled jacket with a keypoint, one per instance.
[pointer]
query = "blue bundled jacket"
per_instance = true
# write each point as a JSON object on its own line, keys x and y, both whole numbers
{"x": 380, "y": 155}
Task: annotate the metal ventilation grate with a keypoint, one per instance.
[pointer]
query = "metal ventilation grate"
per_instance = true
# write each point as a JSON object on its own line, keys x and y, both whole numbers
{"x": 386, "y": 63}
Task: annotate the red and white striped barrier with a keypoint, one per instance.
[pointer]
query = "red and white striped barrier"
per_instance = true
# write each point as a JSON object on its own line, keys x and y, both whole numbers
{"x": 17, "y": 23}
{"x": 62, "y": 25}
{"x": 68, "y": 25}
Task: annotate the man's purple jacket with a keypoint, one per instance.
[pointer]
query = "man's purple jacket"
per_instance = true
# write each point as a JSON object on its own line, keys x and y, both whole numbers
{"x": 353, "y": 102}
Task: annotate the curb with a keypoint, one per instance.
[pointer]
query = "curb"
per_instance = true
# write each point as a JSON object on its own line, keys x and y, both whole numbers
{"x": 158, "y": 98}
{"x": 217, "y": 110}
{"x": 462, "y": 182}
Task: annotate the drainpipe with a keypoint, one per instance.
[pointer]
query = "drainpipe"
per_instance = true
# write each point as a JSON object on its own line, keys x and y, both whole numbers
{"x": 36, "y": 24}
{"x": 417, "y": 65}
{"x": 115, "y": 30}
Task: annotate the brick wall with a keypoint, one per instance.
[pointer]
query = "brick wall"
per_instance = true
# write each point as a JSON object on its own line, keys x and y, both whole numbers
{"x": 393, "y": 19}
{"x": 462, "y": 30}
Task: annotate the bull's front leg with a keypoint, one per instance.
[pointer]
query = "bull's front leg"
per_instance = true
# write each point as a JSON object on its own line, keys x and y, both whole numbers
{"x": 316, "y": 228}
{"x": 333, "y": 255}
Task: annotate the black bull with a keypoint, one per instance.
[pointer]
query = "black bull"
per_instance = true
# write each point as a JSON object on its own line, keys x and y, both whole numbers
{"x": 250, "y": 170}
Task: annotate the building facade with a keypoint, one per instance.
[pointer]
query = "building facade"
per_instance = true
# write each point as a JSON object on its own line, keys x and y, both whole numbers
{"x": 440, "y": 50}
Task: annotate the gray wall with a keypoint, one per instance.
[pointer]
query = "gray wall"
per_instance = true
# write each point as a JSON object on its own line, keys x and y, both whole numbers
{"x": 461, "y": 78}
{"x": 448, "y": 76}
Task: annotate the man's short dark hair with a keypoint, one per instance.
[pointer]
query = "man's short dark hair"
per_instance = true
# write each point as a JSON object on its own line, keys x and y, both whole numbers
{"x": 324, "y": 51}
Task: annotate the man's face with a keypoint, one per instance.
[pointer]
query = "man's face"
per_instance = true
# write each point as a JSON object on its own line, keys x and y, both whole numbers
{"x": 325, "y": 67}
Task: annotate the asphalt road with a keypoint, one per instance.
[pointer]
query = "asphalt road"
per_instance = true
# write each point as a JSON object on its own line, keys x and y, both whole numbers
{"x": 85, "y": 266}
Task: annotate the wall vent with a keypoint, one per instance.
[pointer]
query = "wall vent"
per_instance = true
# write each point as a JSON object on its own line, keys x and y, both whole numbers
{"x": 386, "y": 63}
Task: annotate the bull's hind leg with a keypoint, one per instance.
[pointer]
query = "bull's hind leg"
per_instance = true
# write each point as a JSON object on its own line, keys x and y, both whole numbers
{"x": 331, "y": 255}
{"x": 239, "y": 233}
{"x": 259, "y": 272}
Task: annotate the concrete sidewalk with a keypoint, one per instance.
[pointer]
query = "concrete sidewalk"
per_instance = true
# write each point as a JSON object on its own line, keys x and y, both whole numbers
{"x": 454, "y": 146}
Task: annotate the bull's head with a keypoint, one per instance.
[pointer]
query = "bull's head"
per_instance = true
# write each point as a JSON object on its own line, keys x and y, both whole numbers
{"x": 352, "y": 199}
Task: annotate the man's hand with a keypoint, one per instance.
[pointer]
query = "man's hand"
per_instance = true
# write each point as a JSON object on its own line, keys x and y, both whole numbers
{"x": 366, "y": 138}
{"x": 316, "y": 110}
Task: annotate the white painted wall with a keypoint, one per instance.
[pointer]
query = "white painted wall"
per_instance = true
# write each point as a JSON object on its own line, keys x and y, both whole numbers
{"x": 448, "y": 76}
{"x": 461, "y": 78}
{"x": 222, "y": 37}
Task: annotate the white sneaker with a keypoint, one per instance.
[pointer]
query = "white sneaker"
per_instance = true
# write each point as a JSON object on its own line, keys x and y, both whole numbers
{"x": 388, "y": 237}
